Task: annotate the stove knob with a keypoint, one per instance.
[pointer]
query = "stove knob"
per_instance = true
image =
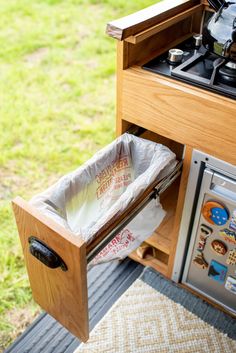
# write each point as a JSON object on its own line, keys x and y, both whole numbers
{"x": 175, "y": 56}
{"x": 231, "y": 65}
{"x": 197, "y": 40}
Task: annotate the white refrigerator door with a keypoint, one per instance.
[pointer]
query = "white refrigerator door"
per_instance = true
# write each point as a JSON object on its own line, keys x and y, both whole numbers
{"x": 210, "y": 266}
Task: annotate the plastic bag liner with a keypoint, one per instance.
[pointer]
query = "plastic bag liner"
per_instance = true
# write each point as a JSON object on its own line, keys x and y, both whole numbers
{"x": 85, "y": 200}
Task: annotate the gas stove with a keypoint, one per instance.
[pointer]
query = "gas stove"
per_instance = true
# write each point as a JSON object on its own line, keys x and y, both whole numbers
{"x": 192, "y": 63}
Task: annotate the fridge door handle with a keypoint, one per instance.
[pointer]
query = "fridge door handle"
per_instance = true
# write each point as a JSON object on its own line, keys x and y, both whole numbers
{"x": 223, "y": 186}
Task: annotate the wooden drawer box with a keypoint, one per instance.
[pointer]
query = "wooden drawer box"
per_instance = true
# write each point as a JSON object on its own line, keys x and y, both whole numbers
{"x": 61, "y": 288}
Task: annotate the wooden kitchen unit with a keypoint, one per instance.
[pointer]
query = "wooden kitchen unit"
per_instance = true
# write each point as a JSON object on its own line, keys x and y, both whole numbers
{"x": 177, "y": 114}
{"x": 187, "y": 118}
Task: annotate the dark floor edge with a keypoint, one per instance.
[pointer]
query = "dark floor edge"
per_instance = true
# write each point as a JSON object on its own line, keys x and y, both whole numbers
{"x": 205, "y": 311}
{"x": 46, "y": 335}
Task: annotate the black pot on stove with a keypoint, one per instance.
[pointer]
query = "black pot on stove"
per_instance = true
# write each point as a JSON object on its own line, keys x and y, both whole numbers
{"x": 219, "y": 35}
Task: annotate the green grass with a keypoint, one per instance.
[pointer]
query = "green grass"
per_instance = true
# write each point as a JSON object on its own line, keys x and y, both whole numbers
{"x": 57, "y": 107}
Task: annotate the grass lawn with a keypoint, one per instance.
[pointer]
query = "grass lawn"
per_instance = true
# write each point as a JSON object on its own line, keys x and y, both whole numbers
{"x": 57, "y": 107}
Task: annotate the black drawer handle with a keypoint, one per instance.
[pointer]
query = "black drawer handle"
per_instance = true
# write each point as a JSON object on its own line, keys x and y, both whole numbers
{"x": 46, "y": 255}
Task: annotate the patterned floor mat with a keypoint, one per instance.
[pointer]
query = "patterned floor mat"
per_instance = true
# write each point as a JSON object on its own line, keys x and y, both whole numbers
{"x": 146, "y": 320}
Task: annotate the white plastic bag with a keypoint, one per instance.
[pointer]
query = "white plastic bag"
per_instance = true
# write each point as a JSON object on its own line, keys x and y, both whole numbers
{"x": 87, "y": 199}
{"x": 140, "y": 228}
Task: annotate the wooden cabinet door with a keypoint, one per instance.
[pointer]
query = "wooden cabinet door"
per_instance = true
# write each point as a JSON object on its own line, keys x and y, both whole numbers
{"x": 63, "y": 294}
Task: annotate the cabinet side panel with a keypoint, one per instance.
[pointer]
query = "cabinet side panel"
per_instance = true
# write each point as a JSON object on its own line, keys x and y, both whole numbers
{"x": 63, "y": 294}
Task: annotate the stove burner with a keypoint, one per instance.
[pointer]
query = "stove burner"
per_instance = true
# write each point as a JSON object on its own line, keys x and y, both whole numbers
{"x": 198, "y": 67}
{"x": 231, "y": 65}
{"x": 227, "y": 74}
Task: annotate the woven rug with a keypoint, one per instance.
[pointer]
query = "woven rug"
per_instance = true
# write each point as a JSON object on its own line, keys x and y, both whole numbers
{"x": 146, "y": 320}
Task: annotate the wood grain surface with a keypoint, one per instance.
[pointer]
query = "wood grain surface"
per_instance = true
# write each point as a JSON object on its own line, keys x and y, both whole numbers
{"x": 141, "y": 20}
{"x": 163, "y": 236}
{"x": 181, "y": 112}
{"x": 179, "y": 208}
{"x": 151, "y": 261}
{"x": 149, "y": 48}
{"x": 62, "y": 294}
{"x": 139, "y": 37}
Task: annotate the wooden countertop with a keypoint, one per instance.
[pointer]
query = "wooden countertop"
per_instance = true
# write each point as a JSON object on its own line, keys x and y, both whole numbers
{"x": 150, "y": 16}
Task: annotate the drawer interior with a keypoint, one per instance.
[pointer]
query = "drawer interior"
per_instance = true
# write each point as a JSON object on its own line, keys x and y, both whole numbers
{"x": 163, "y": 241}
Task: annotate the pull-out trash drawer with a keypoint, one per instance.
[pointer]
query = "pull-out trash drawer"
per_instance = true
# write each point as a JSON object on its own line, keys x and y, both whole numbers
{"x": 111, "y": 203}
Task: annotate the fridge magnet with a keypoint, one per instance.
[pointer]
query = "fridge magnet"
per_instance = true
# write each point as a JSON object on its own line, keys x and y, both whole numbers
{"x": 232, "y": 224}
{"x": 205, "y": 233}
{"x": 200, "y": 262}
{"x": 201, "y": 243}
{"x": 206, "y": 230}
{"x": 215, "y": 213}
{"x": 219, "y": 247}
{"x": 217, "y": 271}
{"x": 230, "y": 284}
{"x": 228, "y": 235}
{"x": 231, "y": 260}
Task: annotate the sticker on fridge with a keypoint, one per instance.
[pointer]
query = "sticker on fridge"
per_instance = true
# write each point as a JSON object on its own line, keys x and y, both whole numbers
{"x": 231, "y": 260}
{"x": 230, "y": 284}
{"x": 200, "y": 261}
{"x": 228, "y": 235}
{"x": 215, "y": 213}
{"x": 217, "y": 271}
{"x": 232, "y": 224}
{"x": 218, "y": 247}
